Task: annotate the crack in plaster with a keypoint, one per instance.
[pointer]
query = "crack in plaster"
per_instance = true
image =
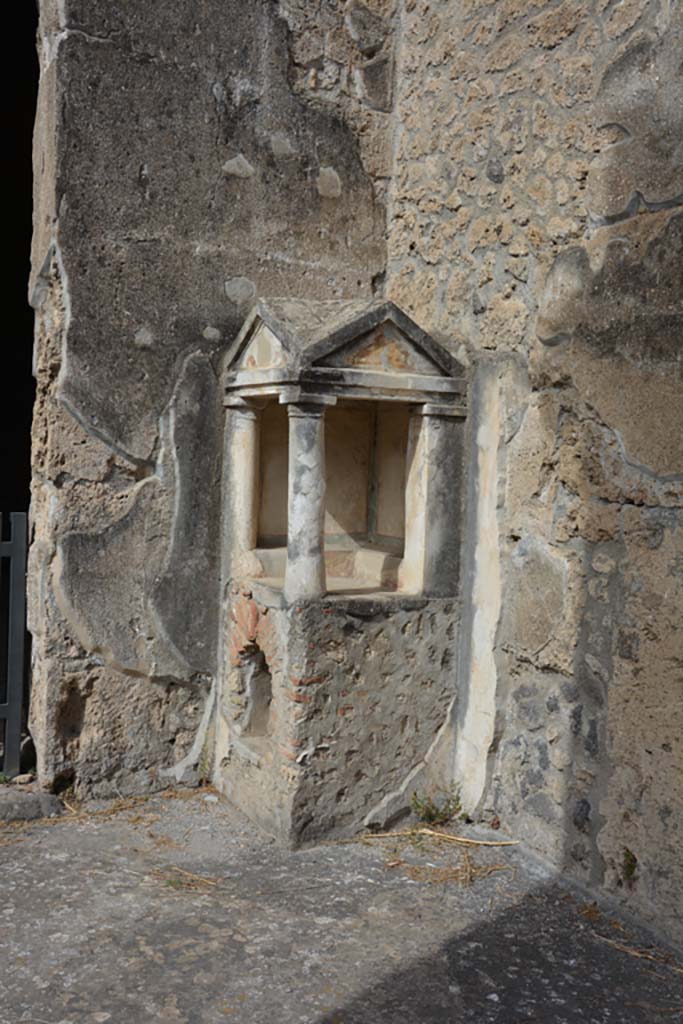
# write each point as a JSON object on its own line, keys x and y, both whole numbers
{"x": 51, "y": 45}
{"x": 665, "y": 478}
{"x": 636, "y": 205}
{"x": 144, "y": 467}
{"x": 167, "y": 449}
{"x": 185, "y": 769}
{"x": 383, "y": 814}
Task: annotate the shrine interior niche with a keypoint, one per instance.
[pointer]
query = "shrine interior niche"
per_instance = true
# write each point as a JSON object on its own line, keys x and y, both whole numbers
{"x": 365, "y": 453}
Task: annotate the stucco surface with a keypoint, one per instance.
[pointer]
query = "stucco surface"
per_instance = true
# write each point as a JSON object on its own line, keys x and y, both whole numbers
{"x": 178, "y": 175}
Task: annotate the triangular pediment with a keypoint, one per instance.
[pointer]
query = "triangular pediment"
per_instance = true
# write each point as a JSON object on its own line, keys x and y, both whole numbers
{"x": 263, "y": 351}
{"x": 299, "y": 336}
{"x": 383, "y": 349}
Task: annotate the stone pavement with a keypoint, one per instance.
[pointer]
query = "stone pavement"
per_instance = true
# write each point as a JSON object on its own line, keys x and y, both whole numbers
{"x": 176, "y": 909}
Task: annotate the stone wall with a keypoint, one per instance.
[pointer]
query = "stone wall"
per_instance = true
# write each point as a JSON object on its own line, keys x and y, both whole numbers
{"x": 511, "y": 173}
{"x": 183, "y": 165}
{"x": 361, "y": 689}
{"x": 535, "y": 225}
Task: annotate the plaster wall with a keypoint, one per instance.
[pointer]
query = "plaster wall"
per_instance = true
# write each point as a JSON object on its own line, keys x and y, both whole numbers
{"x": 365, "y": 460}
{"x": 348, "y": 451}
{"x": 183, "y": 165}
{"x": 274, "y": 458}
{"x": 390, "y": 461}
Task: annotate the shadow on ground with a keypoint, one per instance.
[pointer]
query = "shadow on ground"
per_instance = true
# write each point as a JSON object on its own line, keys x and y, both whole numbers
{"x": 535, "y": 963}
{"x": 176, "y": 909}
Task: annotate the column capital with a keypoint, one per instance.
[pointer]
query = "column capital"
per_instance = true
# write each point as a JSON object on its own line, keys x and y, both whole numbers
{"x": 244, "y": 405}
{"x": 294, "y": 397}
{"x": 457, "y": 412}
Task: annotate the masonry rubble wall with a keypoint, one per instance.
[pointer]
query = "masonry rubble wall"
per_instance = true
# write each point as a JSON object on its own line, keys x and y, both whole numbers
{"x": 536, "y": 225}
{"x": 510, "y": 173}
{"x": 361, "y": 689}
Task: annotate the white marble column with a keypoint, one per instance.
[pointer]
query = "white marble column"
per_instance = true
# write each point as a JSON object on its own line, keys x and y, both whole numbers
{"x": 305, "y": 572}
{"x": 244, "y": 487}
{"x": 433, "y": 501}
{"x": 412, "y": 572}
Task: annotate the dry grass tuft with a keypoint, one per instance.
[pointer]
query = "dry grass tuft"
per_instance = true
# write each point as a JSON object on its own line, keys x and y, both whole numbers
{"x": 465, "y": 873}
{"x": 181, "y": 880}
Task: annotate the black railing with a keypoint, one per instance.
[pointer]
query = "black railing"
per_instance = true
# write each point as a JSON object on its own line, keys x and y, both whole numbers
{"x": 12, "y": 641}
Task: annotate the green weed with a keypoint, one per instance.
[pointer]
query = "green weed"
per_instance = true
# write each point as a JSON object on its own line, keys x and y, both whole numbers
{"x": 434, "y": 809}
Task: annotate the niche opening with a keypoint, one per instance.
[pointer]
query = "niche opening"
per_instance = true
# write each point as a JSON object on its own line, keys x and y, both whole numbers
{"x": 365, "y": 469}
{"x": 256, "y": 686}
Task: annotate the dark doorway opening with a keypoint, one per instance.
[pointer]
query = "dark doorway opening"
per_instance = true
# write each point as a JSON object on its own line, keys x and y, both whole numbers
{"x": 17, "y": 390}
{"x": 16, "y": 380}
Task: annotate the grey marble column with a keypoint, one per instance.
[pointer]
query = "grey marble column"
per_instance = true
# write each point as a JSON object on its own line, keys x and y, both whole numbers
{"x": 244, "y": 487}
{"x": 433, "y": 501}
{"x": 305, "y": 572}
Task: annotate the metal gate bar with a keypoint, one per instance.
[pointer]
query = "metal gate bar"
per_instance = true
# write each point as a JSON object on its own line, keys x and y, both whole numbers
{"x": 14, "y": 549}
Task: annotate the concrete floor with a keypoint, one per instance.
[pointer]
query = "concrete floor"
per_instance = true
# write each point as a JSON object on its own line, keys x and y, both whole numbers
{"x": 103, "y": 918}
